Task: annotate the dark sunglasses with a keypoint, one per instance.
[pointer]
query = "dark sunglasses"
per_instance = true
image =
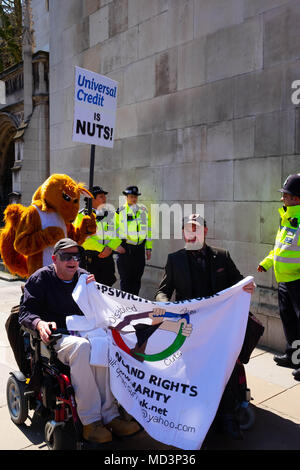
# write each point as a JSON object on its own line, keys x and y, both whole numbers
{"x": 65, "y": 256}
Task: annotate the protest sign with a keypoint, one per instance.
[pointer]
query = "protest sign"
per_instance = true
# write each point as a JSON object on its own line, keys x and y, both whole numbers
{"x": 169, "y": 361}
{"x": 95, "y": 104}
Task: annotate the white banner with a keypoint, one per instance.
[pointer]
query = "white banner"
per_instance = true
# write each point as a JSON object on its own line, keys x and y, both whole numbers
{"x": 169, "y": 362}
{"x": 95, "y": 104}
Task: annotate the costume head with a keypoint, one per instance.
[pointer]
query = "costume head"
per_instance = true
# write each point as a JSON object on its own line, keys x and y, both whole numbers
{"x": 61, "y": 194}
{"x": 27, "y": 240}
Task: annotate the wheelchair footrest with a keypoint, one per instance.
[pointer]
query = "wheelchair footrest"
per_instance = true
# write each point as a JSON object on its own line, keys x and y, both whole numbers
{"x": 30, "y": 393}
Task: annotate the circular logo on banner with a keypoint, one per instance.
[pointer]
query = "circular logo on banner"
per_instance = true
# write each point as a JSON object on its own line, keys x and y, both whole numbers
{"x": 179, "y": 324}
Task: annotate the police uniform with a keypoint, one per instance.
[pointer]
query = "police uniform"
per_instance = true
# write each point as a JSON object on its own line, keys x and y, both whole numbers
{"x": 133, "y": 227}
{"x": 285, "y": 258}
{"x": 102, "y": 268}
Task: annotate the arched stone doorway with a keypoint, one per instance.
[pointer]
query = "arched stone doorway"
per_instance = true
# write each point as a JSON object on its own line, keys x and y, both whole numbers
{"x": 8, "y": 129}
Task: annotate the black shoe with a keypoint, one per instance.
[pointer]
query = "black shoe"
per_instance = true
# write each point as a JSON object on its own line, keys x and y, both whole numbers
{"x": 231, "y": 427}
{"x": 283, "y": 360}
{"x": 296, "y": 374}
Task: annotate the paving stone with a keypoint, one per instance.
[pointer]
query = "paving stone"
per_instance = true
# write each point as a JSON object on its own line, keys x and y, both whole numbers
{"x": 264, "y": 367}
{"x": 286, "y": 403}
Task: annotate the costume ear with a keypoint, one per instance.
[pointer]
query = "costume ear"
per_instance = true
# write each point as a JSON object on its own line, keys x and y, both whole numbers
{"x": 37, "y": 194}
{"x": 84, "y": 191}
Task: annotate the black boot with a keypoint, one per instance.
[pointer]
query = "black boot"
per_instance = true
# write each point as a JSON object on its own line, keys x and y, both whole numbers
{"x": 284, "y": 360}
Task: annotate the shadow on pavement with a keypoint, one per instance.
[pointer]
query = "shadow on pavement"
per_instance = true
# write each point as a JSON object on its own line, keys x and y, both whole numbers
{"x": 33, "y": 429}
{"x": 269, "y": 432}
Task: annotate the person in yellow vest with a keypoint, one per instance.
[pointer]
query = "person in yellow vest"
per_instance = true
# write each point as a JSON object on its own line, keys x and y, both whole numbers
{"x": 100, "y": 246}
{"x": 133, "y": 227}
{"x": 285, "y": 258}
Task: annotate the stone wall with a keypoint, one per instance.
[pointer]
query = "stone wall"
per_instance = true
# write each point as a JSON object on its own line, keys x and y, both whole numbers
{"x": 28, "y": 133}
{"x": 204, "y": 115}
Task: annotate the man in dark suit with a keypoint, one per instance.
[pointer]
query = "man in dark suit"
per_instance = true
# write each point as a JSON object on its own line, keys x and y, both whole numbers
{"x": 199, "y": 270}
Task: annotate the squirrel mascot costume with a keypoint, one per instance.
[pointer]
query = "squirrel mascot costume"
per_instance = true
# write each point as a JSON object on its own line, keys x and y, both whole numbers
{"x": 29, "y": 234}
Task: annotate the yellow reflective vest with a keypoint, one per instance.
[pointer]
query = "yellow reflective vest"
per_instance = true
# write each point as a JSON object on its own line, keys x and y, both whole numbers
{"x": 285, "y": 256}
{"x": 105, "y": 235}
{"x": 133, "y": 225}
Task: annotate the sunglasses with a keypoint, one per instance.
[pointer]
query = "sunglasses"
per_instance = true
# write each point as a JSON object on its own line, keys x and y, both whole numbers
{"x": 65, "y": 256}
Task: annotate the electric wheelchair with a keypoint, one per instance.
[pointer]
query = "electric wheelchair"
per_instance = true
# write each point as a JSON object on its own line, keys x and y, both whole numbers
{"x": 44, "y": 385}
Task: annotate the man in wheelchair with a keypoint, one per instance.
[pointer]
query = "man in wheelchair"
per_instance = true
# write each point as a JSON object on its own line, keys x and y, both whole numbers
{"x": 45, "y": 304}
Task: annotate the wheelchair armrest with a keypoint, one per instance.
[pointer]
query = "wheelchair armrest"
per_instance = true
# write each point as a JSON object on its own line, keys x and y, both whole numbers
{"x": 33, "y": 333}
{"x": 54, "y": 338}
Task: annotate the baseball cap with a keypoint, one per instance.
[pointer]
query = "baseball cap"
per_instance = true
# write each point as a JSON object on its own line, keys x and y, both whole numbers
{"x": 66, "y": 243}
{"x": 194, "y": 219}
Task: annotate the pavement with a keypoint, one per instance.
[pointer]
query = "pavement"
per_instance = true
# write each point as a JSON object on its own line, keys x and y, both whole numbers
{"x": 275, "y": 400}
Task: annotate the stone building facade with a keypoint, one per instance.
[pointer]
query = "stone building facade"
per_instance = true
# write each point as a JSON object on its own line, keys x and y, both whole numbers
{"x": 24, "y": 121}
{"x": 204, "y": 114}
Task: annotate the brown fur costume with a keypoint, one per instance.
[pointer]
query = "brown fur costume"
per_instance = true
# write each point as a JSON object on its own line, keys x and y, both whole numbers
{"x": 31, "y": 232}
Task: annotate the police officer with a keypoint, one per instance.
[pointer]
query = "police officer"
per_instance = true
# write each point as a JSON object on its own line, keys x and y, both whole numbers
{"x": 99, "y": 247}
{"x": 285, "y": 258}
{"x": 133, "y": 227}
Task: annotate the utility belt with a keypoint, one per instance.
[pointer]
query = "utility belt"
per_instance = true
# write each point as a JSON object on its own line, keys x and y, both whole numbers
{"x": 92, "y": 255}
{"x": 132, "y": 247}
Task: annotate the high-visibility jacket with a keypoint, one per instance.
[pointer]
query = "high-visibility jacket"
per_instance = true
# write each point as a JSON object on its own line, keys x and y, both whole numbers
{"x": 105, "y": 235}
{"x": 285, "y": 256}
{"x": 133, "y": 225}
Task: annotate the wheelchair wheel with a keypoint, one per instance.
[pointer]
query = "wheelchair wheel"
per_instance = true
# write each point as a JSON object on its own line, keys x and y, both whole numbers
{"x": 16, "y": 401}
{"x": 58, "y": 438}
{"x": 246, "y": 417}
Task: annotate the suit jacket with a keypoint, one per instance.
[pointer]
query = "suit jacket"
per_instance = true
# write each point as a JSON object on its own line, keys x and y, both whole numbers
{"x": 177, "y": 276}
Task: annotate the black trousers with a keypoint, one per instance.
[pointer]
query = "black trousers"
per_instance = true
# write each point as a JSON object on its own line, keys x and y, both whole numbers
{"x": 289, "y": 309}
{"x": 102, "y": 268}
{"x": 230, "y": 395}
{"x": 131, "y": 267}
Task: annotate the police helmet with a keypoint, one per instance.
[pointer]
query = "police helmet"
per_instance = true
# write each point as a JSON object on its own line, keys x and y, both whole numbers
{"x": 291, "y": 185}
{"x": 98, "y": 190}
{"x": 132, "y": 190}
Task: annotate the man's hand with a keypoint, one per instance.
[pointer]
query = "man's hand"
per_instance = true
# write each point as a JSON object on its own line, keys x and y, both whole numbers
{"x": 44, "y": 329}
{"x": 261, "y": 269}
{"x": 249, "y": 288}
{"x": 105, "y": 252}
{"x": 148, "y": 254}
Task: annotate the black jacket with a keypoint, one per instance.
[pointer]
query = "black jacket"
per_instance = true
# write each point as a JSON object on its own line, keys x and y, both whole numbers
{"x": 177, "y": 276}
{"x": 48, "y": 298}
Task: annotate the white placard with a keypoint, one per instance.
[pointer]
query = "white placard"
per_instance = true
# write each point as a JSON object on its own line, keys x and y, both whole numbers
{"x": 95, "y": 104}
